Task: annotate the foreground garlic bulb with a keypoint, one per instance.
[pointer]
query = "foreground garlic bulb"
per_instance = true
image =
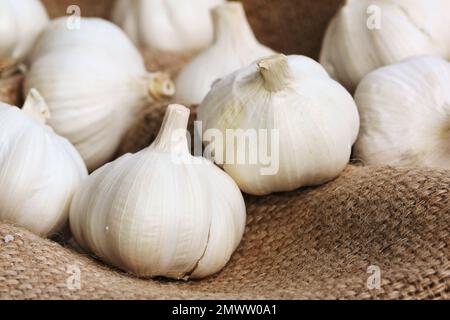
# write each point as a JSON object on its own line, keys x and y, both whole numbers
{"x": 368, "y": 34}
{"x": 287, "y": 108}
{"x": 39, "y": 170}
{"x": 21, "y": 22}
{"x": 405, "y": 111}
{"x": 170, "y": 25}
{"x": 235, "y": 46}
{"x": 94, "y": 81}
{"x": 161, "y": 212}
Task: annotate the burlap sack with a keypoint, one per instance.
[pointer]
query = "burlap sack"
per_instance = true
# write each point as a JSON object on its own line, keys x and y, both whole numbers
{"x": 312, "y": 243}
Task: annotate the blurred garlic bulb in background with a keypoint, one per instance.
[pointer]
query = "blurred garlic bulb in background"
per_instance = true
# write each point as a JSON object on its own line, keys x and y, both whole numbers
{"x": 95, "y": 82}
{"x": 315, "y": 117}
{"x": 235, "y": 46}
{"x": 161, "y": 212}
{"x": 368, "y": 34}
{"x": 405, "y": 110}
{"x": 21, "y": 22}
{"x": 39, "y": 170}
{"x": 170, "y": 25}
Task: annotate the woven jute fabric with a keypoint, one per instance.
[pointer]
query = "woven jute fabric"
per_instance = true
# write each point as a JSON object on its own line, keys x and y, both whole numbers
{"x": 313, "y": 243}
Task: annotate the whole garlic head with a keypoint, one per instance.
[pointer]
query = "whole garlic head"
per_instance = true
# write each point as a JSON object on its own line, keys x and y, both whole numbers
{"x": 235, "y": 46}
{"x": 368, "y": 34}
{"x": 39, "y": 170}
{"x": 169, "y": 25}
{"x": 95, "y": 82}
{"x": 405, "y": 110}
{"x": 285, "y": 109}
{"x": 161, "y": 212}
{"x": 21, "y": 22}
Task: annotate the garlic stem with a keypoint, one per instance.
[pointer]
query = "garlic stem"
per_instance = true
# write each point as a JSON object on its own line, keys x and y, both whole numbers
{"x": 160, "y": 86}
{"x": 172, "y": 135}
{"x": 275, "y": 72}
{"x": 230, "y": 21}
{"x": 36, "y": 107}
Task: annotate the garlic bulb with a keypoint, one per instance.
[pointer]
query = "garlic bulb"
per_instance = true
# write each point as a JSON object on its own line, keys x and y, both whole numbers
{"x": 169, "y": 25}
{"x": 161, "y": 212}
{"x": 21, "y": 22}
{"x": 405, "y": 110}
{"x": 235, "y": 46}
{"x": 368, "y": 34}
{"x": 295, "y": 122}
{"x": 94, "y": 82}
{"x": 39, "y": 170}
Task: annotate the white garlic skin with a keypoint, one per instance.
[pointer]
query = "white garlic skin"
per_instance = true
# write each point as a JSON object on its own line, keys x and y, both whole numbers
{"x": 235, "y": 46}
{"x": 316, "y": 118}
{"x": 404, "y": 112}
{"x": 21, "y": 22}
{"x": 169, "y": 25}
{"x": 407, "y": 28}
{"x": 39, "y": 170}
{"x": 95, "y": 82}
{"x": 152, "y": 216}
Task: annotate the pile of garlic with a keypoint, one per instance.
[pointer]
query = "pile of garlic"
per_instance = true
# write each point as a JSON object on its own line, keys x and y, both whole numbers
{"x": 273, "y": 123}
{"x": 95, "y": 82}
{"x": 309, "y": 122}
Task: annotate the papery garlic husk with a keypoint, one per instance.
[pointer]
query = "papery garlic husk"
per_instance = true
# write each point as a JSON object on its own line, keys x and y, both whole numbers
{"x": 94, "y": 81}
{"x": 235, "y": 46}
{"x": 169, "y": 25}
{"x": 161, "y": 212}
{"x": 39, "y": 170}
{"x": 368, "y": 34}
{"x": 21, "y": 22}
{"x": 405, "y": 110}
{"x": 310, "y": 122}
